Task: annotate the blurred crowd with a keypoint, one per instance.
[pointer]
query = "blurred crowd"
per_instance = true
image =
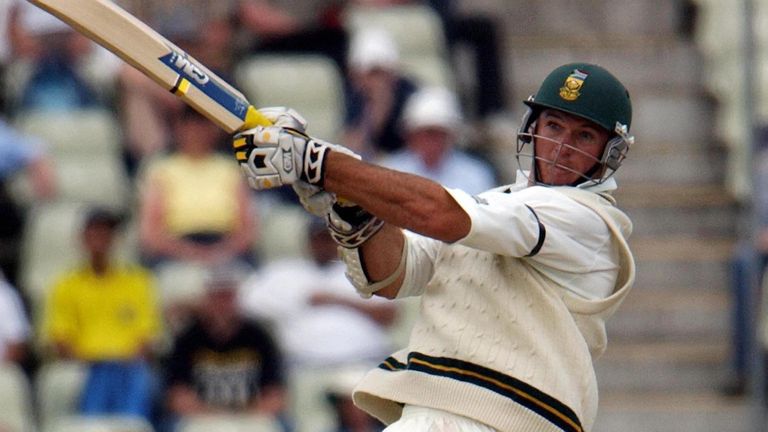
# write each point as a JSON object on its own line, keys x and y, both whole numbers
{"x": 136, "y": 259}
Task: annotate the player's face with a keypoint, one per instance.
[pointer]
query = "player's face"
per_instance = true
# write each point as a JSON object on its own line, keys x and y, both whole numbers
{"x": 567, "y": 147}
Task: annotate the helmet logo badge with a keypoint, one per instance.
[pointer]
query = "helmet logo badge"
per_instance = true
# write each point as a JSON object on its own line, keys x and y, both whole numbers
{"x": 570, "y": 90}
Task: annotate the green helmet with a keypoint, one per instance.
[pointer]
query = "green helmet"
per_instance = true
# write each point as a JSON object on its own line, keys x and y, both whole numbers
{"x": 590, "y": 92}
{"x": 585, "y": 90}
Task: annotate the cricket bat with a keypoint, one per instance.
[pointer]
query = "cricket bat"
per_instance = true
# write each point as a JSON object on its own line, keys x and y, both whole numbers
{"x": 136, "y": 43}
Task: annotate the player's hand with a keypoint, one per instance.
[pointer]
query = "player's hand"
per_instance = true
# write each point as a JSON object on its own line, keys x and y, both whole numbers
{"x": 314, "y": 198}
{"x": 272, "y": 156}
{"x": 285, "y": 117}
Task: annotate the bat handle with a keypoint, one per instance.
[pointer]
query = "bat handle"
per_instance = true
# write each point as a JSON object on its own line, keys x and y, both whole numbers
{"x": 254, "y": 118}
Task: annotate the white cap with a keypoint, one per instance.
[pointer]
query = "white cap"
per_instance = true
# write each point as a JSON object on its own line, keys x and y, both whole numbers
{"x": 432, "y": 107}
{"x": 373, "y": 48}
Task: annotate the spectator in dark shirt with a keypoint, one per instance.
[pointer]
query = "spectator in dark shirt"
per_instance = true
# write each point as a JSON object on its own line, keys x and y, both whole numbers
{"x": 224, "y": 363}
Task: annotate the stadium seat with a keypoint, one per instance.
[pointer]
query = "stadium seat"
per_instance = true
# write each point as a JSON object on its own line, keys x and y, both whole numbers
{"x": 57, "y": 390}
{"x": 310, "y": 407}
{"x": 282, "y": 231}
{"x": 16, "y": 410}
{"x": 180, "y": 282}
{"x": 89, "y": 132}
{"x": 86, "y": 150}
{"x": 229, "y": 423}
{"x": 311, "y": 84}
{"x": 79, "y": 179}
{"x": 419, "y": 35}
{"x": 99, "y": 424}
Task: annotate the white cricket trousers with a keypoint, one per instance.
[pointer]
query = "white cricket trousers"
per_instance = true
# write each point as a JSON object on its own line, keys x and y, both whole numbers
{"x": 421, "y": 419}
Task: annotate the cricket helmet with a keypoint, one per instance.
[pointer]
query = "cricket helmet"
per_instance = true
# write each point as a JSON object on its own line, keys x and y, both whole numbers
{"x": 590, "y": 92}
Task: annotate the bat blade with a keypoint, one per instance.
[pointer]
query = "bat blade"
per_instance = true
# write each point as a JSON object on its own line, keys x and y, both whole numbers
{"x": 156, "y": 57}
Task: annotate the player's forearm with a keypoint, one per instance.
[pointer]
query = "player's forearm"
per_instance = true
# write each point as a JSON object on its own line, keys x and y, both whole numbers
{"x": 401, "y": 199}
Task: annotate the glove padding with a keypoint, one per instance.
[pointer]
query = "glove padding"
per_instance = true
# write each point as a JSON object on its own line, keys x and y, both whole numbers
{"x": 285, "y": 117}
{"x": 351, "y": 225}
{"x": 314, "y": 199}
{"x": 272, "y": 156}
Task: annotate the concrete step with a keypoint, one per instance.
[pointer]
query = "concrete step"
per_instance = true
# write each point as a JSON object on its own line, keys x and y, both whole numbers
{"x": 658, "y": 209}
{"x": 680, "y": 168}
{"x": 673, "y": 412}
{"x": 661, "y": 195}
{"x": 594, "y": 19}
{"x": 707, "y": 221}
{"x": 705, "y": 275}
{"x": 672, "y": 314}
{"x": 682, "y": 261}
{"x": 680, "y": 248}
{"x": 663, "y": 366}
{"x": 676, "y": 63}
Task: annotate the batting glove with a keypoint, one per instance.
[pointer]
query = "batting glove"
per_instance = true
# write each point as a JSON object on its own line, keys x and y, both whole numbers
{"x": 285, "y": 117}
{"x": 314, "y": 199}
{"x": 351, "y": 225}
{"x": 272, "y": 156}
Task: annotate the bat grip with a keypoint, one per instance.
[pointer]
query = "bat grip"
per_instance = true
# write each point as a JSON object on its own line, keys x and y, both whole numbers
{"x": 254, "y": 118}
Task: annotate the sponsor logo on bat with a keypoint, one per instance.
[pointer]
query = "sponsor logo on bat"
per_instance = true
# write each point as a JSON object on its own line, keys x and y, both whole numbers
{"x": 182, "y": 64}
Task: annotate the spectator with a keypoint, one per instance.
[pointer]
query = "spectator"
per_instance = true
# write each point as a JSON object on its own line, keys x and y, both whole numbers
{"x": 54, "y": 67}
{"x": 747, "y": 266}
{"x": 431, "y": 124}
{"x": 378, "y": 92}
{"x": 195, "y": 206}
{"x": 14, "y": 327}
{"x": 289, "y": 26}
{"x": 480, "y": 34}
{"x": 107, "y": 316}
{"x": 224, "y": 362}
{"x": 19, "y": 154}
{"x": 319, "y": 321}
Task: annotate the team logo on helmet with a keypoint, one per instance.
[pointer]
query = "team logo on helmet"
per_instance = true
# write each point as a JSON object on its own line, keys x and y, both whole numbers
{"x": 570, "y": 91}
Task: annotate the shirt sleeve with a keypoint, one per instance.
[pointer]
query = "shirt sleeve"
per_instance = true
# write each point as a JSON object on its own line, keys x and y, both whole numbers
{"x": 419, "y": 265}
{"x": 556, "y": 234}
{"x": 502, "y": 223}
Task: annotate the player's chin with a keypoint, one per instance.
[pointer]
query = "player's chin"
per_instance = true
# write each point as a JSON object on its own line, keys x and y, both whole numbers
{"x": 557, "y": 176}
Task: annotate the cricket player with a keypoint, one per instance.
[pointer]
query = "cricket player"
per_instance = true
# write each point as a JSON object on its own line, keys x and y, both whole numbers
{"x": 515, "y": 283}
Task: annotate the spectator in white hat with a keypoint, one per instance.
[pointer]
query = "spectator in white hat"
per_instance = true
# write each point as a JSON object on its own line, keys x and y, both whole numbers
{"x": 431, "y": 124}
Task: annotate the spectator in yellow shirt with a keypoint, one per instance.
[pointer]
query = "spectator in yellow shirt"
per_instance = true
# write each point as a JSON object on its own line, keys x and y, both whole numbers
{"x": 106, "y": 315}
{"x": 194, "y": 205}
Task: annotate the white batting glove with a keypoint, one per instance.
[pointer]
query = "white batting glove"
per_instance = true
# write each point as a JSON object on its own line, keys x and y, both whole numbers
{"x": 272, "y": 156}
{"x": 314, "y": 198}
{"x": 351, "y": 225}
{"x": 285, "y": 117}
